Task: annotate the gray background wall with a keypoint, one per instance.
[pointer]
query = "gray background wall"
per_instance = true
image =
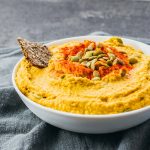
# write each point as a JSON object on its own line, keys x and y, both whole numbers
{"x": 41, "y": 20}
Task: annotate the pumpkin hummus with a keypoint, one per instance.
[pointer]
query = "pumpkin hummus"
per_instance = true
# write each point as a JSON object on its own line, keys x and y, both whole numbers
{"x": 89, "y": 78}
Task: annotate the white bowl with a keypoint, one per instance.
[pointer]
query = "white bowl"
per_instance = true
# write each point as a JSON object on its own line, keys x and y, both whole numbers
{"x": 88, "y": 123}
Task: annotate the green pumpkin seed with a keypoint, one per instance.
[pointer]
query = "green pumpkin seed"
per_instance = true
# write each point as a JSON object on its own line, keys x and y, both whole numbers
{"x": 111, "y": 56}
{"x": 81, "y": 60}
{"x": 107, "y": 66}
{"x": 105, "y": 58}
{"x": 119, "y": 40}
{"x": 115, "y": 62}
{"x": 79, "y": 54}
{"x": 101, "y": 55}
{"x": 103, "y": 64}
{"x": 63, "y": 76}
{"x": 97, "y": 52}
{"x": 74, "y": 58}
{"x": 96, "y": 74}
{"x": 97, "y": 65}
{"x": 88, "y": 54}
{"x": 133, "y": 60}
{"x": 93, "y": 64}
{"x": 109, "y": 62}
{"x": 84, "y": 63}
{"x": 88, "y": 64}
{"x": 86, "y": 49}
{"x": 123, "y": 73}
{"x": 99, "y": 45}
{"x": 96, "y": 78}
{"x": 101, "y": 60}
{"x": 109, "y": 50}
{"x": 123, "y": 52}
{"x": 118, "y": 61}
{"x": 90, "y": 47}
{"x": 116, "y": 40}
{"x": 92, "y": 57}
{"x": 37, "y": 96}
{"x": 127, "y": 109}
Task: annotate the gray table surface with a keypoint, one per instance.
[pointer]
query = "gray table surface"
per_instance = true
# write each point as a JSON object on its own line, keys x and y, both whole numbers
{"x": 42, "y": 20}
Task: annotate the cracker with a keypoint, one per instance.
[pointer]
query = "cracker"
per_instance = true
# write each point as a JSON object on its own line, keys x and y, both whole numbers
{"x": 36, "y": 53}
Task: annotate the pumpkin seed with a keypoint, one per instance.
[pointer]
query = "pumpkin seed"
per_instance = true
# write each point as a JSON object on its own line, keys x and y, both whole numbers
{"x": 81, "y": 60}
{"x": 74, "y": 58}
{"x": 101, "y": 55}
{"x": 92, "y": 57}
{"x": 86, "y": 49}
{"x": 123, "y": 52}
{"x": 79, "y": 54}
{"x": 84, "y": 63}
{"x": 96, "y": 74}
{"x": 97, "y": 65}
{"x": 93, "y": 64}
{"x": 111, "y": 56}
{"x": 63, "y": 76}
{"x": 96, "y": 78}
{"x": 37, "y": 96}
{"x": 127, "y": 109}
{"x": 103, "y": 64}
{"x": 97, "y": 52}
{"x": 109, "y": 50}
{"x": 133, "y": 60}
{"x": 119, "y": 40}
{"x": 88, "y": 54}
{"x": 109, "y": 62}
{"x": 102, "y": 60}
{"x": 88, "y": 64}
{"x": 105, "y": 58}
{"x": 118, "y": 61}
{"x": 91, "y": 47}
{"x": 106, "y": 66}
{"x": 123, "y": 72}
{"x": 116, "y": 40}
{"x": 99, "y": 45}
{"x": 115, "y": 62}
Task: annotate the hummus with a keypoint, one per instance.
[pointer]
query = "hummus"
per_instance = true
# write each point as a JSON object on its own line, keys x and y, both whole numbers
{"x": 89, "y": 78}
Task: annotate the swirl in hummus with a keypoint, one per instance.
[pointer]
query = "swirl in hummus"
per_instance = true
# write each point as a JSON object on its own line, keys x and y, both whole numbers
{"x": 89, "y": 78}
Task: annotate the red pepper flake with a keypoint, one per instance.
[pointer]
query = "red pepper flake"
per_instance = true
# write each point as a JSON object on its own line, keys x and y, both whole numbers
{"x": 104, "y": 71}
{"x": 74, "y": 68}
{"x": 88, "y": 42}
{"x": 72, "y": 50}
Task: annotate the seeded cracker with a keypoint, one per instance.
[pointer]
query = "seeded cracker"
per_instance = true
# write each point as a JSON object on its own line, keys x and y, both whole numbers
{"x": 37, "y": 54}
